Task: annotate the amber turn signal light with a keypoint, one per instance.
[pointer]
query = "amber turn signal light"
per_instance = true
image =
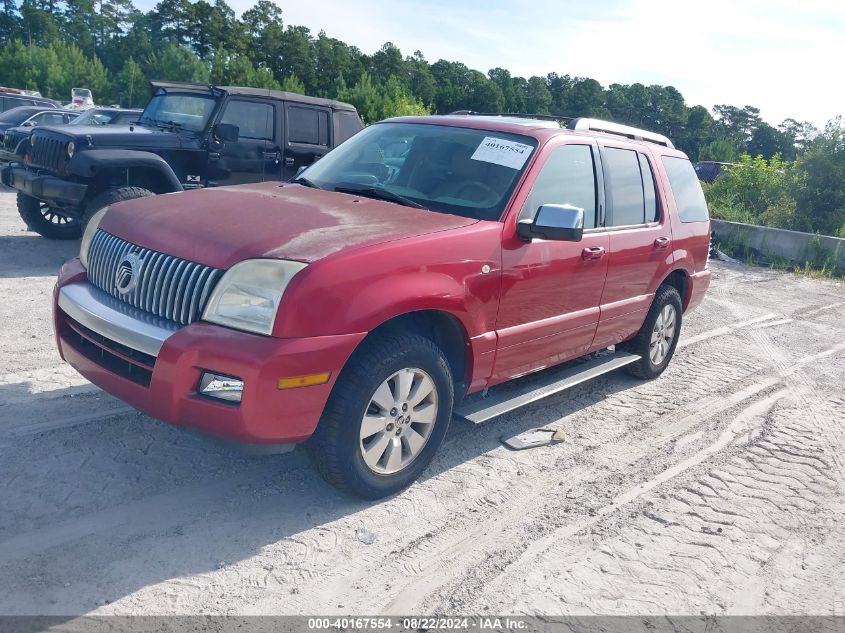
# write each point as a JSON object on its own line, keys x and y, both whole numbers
{"x": 303, "y": 381}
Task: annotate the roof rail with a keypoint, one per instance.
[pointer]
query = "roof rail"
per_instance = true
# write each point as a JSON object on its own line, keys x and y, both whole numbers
{"x": 583, "y": 124}
{"x": 518, "y": 115}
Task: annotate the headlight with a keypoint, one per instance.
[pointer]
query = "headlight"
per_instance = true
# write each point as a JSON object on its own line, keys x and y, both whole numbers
{"x": 88, "y": 235}
{"x": 70, "y": 148}
{"x": 248, "y": 295}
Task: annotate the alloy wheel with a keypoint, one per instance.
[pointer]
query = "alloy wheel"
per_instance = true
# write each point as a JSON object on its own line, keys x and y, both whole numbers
{"x": 398, "y": 421}
{"x": 663, "y": 334}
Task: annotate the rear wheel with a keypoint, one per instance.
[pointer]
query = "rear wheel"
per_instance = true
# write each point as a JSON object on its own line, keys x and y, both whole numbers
{"x": 656, "y": 341}
{"x": 386, "y": 417}
{"x": 47, "y": 221}
{"x": 112, "y": 196}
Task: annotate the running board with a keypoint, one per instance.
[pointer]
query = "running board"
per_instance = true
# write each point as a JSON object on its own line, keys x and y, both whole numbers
{"x": 505, "y": 398}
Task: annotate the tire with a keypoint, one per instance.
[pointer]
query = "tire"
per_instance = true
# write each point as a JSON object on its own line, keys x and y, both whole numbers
{"x": 337, "y": 448}
{"x": 111, "y": 196}
{"x": 666, "y": 301}
{"x": 47, "y": 221}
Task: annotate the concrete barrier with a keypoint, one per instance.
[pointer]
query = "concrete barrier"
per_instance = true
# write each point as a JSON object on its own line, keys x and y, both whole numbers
{"x": 795, "y": 246}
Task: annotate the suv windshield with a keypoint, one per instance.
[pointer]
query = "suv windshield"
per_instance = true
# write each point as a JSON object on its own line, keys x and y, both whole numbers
{"x": 96, "y": 117}
{"x": 184, "y": 111}
{"x": 454, "y": 170}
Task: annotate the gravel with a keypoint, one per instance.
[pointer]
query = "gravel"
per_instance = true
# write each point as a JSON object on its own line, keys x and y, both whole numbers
{"x": 715, "y": 489}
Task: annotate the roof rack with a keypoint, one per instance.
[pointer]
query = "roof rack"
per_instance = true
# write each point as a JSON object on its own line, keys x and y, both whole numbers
{"x": 518, "y": 115}
{"x": 583, "y": 124}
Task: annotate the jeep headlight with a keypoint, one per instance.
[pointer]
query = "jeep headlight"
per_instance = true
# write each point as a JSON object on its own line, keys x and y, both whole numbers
{"x": 71, "y": 147}
{"x": 248, "y": 295}
{"x": 88, "y": 235}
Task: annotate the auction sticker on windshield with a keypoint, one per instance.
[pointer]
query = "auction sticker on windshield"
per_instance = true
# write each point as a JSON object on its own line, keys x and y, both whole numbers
{"x": 500, "y": 151}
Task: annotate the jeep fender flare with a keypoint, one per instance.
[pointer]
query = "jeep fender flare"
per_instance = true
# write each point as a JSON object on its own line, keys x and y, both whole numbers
{"x": 88, "y": 164}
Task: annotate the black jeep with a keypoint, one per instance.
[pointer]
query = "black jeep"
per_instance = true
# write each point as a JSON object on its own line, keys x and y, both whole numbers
{"x": 188, "y": 136}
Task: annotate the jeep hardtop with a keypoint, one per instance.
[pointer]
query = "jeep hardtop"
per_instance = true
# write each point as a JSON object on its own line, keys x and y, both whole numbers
{"x": 189, "y": 136}
{"x": 407, "y": 276}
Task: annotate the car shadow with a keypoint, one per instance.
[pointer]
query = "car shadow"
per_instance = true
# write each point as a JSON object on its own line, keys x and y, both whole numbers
{"x": 27, "y": 254}
{"x": 97, "y": 511}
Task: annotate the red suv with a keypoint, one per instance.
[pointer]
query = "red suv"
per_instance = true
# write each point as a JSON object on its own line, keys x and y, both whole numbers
{"x": 357, "y": 307}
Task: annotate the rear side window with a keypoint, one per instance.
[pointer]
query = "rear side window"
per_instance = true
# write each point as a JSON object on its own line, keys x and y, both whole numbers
{"x": 633, "y": 194}
{"x": 254, "y": 119}
{"x": 626, "y": 186}
{"x": 689, "y": 198}
{"x": 650, "y": 193}
{"x": 567, "y": 177}
{"x": 346, "y": 125}
{"x": 308, "y": 125}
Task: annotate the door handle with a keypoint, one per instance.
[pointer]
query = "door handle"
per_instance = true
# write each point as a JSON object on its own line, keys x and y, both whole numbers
{"x": 289, "y": 161}
{"x": 593, "y": 252}
{"x": 270, "y": 155}
{"x": 661, "y": 243}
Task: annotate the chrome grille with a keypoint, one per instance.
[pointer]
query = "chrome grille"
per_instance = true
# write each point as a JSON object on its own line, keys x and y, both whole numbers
{"x": 46, "y": 152}
{"x": 169, "y": 287}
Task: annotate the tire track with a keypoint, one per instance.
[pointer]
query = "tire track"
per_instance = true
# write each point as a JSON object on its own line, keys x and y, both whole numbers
{"x": 442, "y": 567}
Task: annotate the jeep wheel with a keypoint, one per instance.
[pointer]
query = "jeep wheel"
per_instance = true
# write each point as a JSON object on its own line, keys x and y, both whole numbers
{"x": 112, "y": 196}
{"x": 47, "y": 221}
{"x": 386, "y": 417}
{"x": 656, "y": 341}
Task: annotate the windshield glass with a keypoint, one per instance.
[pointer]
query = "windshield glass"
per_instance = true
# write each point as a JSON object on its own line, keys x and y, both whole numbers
{"x": 186, "y": 111}
{"x": 95, "y": 117}
{"x": 453, "y": 170}
{"x": 17, "y": 115}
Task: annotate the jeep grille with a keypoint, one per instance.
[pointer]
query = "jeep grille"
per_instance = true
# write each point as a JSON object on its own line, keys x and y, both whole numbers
{"x": 11, "y": 140}
{"x": 167, "y": 286}
{"x": 47, "y": 152}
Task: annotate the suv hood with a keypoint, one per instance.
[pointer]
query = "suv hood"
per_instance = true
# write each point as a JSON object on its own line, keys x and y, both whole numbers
{"x": 222, "y": 226}
{"x": 120, "y": 136}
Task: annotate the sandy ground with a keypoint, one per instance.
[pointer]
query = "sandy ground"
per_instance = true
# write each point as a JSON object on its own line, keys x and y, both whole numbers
{"x": 716, "y": 489}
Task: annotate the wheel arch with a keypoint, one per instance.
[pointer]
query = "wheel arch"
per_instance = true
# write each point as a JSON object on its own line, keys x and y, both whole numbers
{"x": 446, "y": 331}
{"x": 110, "y": 168}
{"x": 680, "y": 280}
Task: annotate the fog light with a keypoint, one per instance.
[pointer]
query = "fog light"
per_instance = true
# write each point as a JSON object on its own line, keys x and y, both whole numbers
{"x": 222, "y": 387}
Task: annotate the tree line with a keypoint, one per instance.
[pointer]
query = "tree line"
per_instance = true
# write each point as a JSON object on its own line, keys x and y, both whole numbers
{"x": 795, "y": 180}
{"x": 115, "y": 49}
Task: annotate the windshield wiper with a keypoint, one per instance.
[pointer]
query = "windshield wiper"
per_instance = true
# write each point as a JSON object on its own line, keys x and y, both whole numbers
{"x": 301, "y": 180}
{"x": 379, "y": 194}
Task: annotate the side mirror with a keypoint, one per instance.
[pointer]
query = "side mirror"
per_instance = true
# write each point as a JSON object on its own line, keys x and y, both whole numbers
{"x": 301, "y": 169}
{"x": 561, "y": 222}
{"x": 28, "y": 124}
{"x": 227, "y": 132}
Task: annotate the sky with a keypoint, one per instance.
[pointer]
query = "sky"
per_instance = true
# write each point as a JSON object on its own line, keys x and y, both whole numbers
{"x": 782, "y": 56}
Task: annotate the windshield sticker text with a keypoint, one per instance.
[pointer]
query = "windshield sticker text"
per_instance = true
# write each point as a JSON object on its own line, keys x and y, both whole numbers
{"x": 501, "y": 151}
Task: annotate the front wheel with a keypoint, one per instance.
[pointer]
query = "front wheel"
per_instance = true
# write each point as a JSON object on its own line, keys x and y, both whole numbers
{"x": 112, "y": 196}
{"x": 386, "y": 417}
{"x": 656, "y": 341}
{"x": 47, "y": 221}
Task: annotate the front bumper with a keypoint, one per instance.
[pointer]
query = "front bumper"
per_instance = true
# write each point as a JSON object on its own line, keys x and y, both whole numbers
{"x": 164, "y": 383}
{"x": 44, "y": 187}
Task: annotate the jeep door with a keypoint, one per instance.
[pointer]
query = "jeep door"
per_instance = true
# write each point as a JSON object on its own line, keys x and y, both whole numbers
{"x": 551, "y": 290}
{"x": 256, "y": 155}
{"x": 308, "y": 135}
{"x": 640, "y": 240}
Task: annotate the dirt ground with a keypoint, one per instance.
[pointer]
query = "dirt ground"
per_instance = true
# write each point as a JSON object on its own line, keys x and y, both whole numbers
{"x": 718, "y": 488}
